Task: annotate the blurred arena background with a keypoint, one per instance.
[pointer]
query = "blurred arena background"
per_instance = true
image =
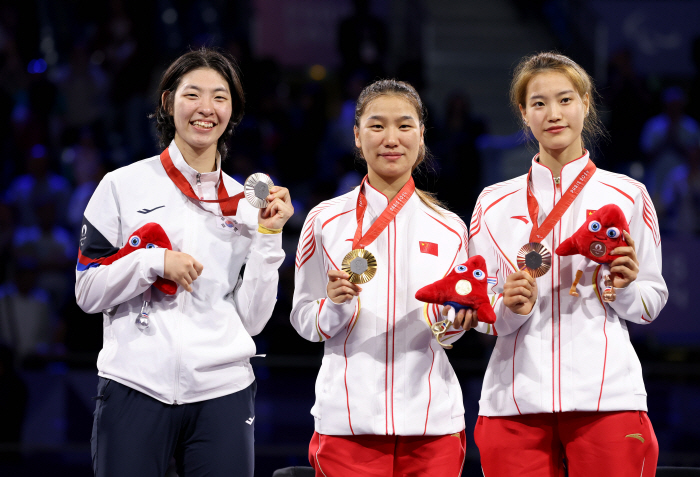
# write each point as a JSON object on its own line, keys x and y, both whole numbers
{"x": 76, "y": 86}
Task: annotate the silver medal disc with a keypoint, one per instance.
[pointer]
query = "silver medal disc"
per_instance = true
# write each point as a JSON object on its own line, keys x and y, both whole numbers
{"x": 257, "y": 188}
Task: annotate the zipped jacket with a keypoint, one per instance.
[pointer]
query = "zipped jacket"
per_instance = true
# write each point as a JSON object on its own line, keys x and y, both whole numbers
{"x": 197, "y": 345}
{"x": 383, "y": 372}
{"x": 570, "y": 353}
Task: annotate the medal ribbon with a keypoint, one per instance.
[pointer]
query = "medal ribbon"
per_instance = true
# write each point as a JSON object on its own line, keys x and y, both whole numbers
{"x": 538, "y": 233}
{"x": 229, "y": 205}
{"x": 384, "y": 219}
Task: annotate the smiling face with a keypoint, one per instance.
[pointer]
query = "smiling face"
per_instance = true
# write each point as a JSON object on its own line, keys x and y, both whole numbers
{"x": 390, "y": 137}
{"x": 555, "y": 112}
{"x": 201, "y": 110}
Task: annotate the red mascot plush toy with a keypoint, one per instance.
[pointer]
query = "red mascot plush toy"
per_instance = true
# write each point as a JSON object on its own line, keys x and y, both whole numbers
{"x": 464, "y": 287}
{"x": 150, "y": 235}
{"x": 599, "y": 235}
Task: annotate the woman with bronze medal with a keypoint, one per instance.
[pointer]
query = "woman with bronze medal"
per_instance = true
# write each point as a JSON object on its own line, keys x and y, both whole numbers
{"x": 184, "y": 269}
{"x": 564, "y": 387}
{"x": 387, "y": 399}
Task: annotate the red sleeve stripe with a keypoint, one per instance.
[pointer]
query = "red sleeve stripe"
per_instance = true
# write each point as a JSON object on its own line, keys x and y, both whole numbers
{"x": 503, "y": 264}
{"x": 613, "y": 187}
{"x": 500, "y": 199}
{"x": 649, "y": 213}
{"x": 475, "y": 224}
{"x": 307, "y": 244}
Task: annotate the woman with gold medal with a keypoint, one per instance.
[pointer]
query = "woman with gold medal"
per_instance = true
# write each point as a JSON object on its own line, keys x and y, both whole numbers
{"x": 387, "y": 399}
{"x": 563, "y": 388}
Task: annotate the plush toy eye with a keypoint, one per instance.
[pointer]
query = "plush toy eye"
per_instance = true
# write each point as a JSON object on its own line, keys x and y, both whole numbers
{"x": 478, "y": 274}
{"x": 594, "y": 226}
{"x": 135, "y": 241}
{"x": 460, "y": 268}
{"x": 151, "y": 245}
{"x": 613, "y": 232}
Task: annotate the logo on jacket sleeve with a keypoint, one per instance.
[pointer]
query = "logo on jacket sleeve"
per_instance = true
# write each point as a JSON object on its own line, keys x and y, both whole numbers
{"x": 429, "y": 247}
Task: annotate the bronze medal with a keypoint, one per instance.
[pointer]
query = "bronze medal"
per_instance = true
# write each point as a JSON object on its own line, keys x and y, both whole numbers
{"x": 535, "y": 259}
{"x": 360, "y": 265}
{"x": 257, "y": 188}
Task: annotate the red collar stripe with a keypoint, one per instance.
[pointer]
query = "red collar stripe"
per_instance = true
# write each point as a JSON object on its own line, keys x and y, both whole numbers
{"x": 384, "y": 219}
{"x": 538, "y": 233}
{"x": 229, "y": 205}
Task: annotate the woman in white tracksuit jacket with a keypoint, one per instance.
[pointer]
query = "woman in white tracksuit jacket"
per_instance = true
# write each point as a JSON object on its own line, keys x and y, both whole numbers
{"x": 564, "y": 385}
{"x": 385, "y": 384}
{"x": 183, "y": 385}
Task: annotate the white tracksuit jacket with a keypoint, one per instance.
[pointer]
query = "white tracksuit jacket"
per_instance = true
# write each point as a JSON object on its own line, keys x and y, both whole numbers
{"x": 198, "y": 344}
{"x": 569, "y": 353}
{"x": 383, "y": 372}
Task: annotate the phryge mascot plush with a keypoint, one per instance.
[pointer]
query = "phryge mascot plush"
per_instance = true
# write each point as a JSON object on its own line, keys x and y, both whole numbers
{"x": 595, "y": 239}
{"x": 150, "y": 235}
{"x": 464, "y": 287}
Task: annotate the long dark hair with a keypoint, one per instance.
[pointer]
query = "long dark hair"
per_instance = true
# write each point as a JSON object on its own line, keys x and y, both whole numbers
{"x": 216, "y": 60}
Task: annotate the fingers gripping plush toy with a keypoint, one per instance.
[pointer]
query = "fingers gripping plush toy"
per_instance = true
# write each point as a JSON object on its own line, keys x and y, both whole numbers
{"x": 464, "y": 287}
{"x": 599, "y": 235}
{"x": 148, "y": 236}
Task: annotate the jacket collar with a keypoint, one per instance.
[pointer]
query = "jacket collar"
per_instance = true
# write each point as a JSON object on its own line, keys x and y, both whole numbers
{"x": 190, "y": 173}
{"x": 543, "y": 185}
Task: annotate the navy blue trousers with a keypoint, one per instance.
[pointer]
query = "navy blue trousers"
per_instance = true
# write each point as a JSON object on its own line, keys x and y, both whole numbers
{"x": 135, "y": 435}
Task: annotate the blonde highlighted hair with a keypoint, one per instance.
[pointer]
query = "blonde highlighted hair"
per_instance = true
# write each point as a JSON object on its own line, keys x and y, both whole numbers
{"x": 546, "y": 62}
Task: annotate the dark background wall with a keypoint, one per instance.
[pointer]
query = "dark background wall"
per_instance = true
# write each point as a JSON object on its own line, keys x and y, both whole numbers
{"x": 77, "y": 82}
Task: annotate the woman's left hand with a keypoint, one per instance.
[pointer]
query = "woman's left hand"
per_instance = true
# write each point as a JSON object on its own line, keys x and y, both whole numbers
{"x": 464, "y": 319}
{"x": 279, "y": 208}
{"x": 624, "y": 269}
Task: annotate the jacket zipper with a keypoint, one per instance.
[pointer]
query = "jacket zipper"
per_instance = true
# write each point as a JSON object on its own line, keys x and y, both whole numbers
{"x": 199, "y": 186}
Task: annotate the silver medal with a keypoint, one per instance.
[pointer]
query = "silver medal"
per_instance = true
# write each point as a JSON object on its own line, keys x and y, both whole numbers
{"x": 257, "y": 188}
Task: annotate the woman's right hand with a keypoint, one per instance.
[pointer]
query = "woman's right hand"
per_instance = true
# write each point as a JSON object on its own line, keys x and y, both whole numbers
{"x": 520, "y": 292}
{"x": 339, "y": 288}
{"x": 181, "y": 268}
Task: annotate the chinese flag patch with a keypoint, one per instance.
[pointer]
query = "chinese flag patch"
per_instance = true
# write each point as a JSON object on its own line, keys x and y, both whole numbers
{"x": 429, "y": 247}
{"x": 590, "y": 212}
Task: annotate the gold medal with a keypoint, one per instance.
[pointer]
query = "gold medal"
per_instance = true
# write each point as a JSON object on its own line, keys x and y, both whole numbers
{"x": 360, "y": 265}
{"x": 257, "y": 188}
{"x": 535, "y": 259}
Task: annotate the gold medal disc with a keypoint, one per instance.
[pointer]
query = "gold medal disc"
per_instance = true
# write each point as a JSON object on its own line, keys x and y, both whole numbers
{"x": 360, "y": 265}
{"x": 535, "y": 259}
{"x": 257, "y": 188}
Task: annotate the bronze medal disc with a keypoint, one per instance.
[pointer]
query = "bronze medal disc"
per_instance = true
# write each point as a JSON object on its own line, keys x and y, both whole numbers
{"x": 257, "y": 188}
{"x": 360, "y": 265}
{"x": 535, "y": 259}
{"x": 598, "y": 249}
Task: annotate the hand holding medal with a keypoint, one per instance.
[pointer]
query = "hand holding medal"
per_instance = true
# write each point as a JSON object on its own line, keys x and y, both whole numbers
{"x": 274, "y": 202}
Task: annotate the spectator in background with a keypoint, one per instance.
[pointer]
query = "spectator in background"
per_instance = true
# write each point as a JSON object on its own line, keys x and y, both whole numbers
{"x": 25, "y": 324}
{"x": 38, "y": 185}
{"x": 52, "y": 248}
{"x": 362, "y": 41}
{"x": 460, "y": 161}
{"x": 629, "y": 102}
{"x": 83, "y": 88}
{"x": 680, "y": 197}
{"x": 694, "y": 102}
{"x": 667, "y": 139}
{"x": 13, "y": 406}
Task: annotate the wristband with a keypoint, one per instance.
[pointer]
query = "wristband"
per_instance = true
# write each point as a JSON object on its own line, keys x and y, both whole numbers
{"x": 264, "y": 230}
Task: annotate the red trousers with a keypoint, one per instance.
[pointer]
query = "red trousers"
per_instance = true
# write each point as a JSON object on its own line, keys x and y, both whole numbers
{"x": 387, "y": 456}
{"x": 620, "y": 444}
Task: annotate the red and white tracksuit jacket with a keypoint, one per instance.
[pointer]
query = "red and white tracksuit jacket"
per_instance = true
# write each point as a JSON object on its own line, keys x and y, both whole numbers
{"x": 570, "y": 353}
{"x": 383, "y": 372}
